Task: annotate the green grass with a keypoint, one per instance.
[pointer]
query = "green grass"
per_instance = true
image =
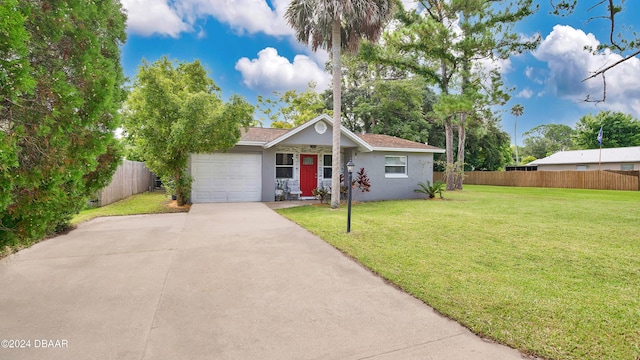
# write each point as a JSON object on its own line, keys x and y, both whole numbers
{"x": 552, "y": 272}
{"x": 146, "y": 203}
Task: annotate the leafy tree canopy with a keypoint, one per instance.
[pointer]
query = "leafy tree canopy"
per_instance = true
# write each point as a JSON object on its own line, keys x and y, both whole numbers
{"x": 443, "y": 42}
{"x": 395, "y": 107}
{"x": 546, "y": 139}
{"x": 15, "y": 79}
{"x": 175, "y": 109}
{"x": 619, "y": 130}
{"x": 15, "y": 76}
{"x": 527, "y": 159}
{"x": 291, "y": 108}
{"x": 360, "y": 81}
{"x": 488, "y": 146}
{"x": 60, "y": 91}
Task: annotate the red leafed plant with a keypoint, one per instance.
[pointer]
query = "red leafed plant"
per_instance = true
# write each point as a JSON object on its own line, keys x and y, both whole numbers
{"x": 361, "y": 182}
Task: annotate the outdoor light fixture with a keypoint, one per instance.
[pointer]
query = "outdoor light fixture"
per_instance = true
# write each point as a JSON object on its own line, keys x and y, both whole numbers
{"x": 350, "y": 167}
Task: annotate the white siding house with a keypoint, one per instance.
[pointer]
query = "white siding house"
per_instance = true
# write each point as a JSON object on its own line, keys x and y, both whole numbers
{"x": 627, "y": 158}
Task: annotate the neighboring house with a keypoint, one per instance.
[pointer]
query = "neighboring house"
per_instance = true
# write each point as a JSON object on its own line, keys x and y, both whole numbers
{"x": 627, "y": 158}
{"x": 264, "y": 156}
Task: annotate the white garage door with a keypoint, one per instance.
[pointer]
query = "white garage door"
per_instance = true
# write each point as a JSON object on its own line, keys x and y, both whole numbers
{"x": 229, "y": 177}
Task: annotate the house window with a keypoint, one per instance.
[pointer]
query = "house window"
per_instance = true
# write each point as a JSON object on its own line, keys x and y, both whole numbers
{"x": 581, "y": 167}
{"x": 284, "y": 166}
{"x": 395, "y": 166}
{"x": 326, "y": 167}
{"x": 626, "y": 167}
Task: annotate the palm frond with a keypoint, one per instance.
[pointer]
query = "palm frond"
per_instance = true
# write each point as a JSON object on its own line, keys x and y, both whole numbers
{"x": 359, "y": 19}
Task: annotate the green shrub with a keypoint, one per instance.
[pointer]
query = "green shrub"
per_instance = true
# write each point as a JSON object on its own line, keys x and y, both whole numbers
{"x": 58, "y": 147}
{"x": 321, "y": 194}
{"x": 431, "y": 190}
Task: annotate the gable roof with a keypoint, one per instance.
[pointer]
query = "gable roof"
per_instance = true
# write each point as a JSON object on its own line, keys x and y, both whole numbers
{"x": 268, "y": 137}
{"x": 592, "y": 156}
{"x": 382, "y": 142}
{"x": 260, "y": 136}
{"x": 343, "y": 130}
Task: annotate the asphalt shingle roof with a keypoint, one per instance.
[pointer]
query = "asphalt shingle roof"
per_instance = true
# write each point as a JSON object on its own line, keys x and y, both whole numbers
{"x": 262, "y": 134}
{"x": 266, "y": 135}
{"x": 386, "y": 141}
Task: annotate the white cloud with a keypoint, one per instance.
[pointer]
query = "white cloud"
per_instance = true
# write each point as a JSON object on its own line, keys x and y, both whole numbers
{"x": 568, "y": 62}
{"x": 410, "y": 4}
{"x": 252, "y": 16}
{"x": 525, "y": 93}
{"x": 272, "y": 72}
{"x": 504, "y": 65}
{"x": 320, "y": 56}
{"x": 528, "y": 72}
{"x": 172, "y": 17}
{"x": 535, "y": 75}
{"x": 487, "y": 65}
{"x": 269, "y": 71}
{"x": 148, "y": 17}
{"x": 202, "y": 34}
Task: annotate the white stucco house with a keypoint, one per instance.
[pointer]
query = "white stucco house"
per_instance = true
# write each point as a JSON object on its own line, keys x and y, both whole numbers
{"x": 265, "y": 156}
{"x": 626, "y": 158}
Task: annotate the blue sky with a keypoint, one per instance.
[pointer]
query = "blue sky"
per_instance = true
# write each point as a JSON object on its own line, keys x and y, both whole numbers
{"x": 250, "y": 50}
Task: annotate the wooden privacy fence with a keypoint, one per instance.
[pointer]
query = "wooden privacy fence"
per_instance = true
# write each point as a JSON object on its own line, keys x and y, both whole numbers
{"x": 131, "y": 177}
{"x": 602, "y": 180}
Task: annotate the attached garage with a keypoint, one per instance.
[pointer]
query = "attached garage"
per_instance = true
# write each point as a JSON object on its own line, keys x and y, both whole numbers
{"x": 226, "y": 177}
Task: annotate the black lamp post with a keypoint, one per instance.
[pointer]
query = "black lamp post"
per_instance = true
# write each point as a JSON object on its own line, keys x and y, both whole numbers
{"x": 350, "y": 170}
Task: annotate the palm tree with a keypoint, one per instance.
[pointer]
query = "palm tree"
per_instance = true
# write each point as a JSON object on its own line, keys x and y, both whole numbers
{"x": 337, "y": 25}
{"x": 516, "y": 110}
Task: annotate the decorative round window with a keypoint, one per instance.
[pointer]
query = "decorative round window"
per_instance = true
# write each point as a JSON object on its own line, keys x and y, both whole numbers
{"x": 321, "y": 127}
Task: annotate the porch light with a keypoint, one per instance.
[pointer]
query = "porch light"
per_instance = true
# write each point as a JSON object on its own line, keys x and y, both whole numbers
{"x": 350, "y": 167}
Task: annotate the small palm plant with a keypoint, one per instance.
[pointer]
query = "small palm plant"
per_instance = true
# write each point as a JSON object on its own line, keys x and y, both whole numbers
{"x": 431, "y": 190}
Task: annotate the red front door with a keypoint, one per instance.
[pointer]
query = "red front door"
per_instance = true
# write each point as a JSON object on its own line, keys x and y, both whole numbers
{"x": 308, "y": 173}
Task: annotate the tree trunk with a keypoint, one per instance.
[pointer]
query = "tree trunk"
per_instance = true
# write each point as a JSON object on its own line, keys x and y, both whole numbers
{"x": 449, "y": 169}
{"x": 337, "y": 94}
{"x": 179, "y": 190}
{"x": 462, "y": 134}
{"x": 515, "y": 139}
{"x": 448, "y": 132}
{"x": 459, "y": 168}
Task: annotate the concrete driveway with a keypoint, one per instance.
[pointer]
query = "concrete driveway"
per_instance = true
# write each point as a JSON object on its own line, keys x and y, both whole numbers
{"x": 225, "y": 281}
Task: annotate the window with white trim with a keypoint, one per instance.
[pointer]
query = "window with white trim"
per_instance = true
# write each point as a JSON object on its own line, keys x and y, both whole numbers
{"x": 395, "y": 166}
{"x": 284, "y": 166}
{"x": 326, "y": 167}
{"x": 626, "y": 167}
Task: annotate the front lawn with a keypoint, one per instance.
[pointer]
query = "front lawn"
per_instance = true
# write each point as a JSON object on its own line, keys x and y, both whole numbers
{"x": 552, "y": 272}
{"x": 155, "y": 202}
